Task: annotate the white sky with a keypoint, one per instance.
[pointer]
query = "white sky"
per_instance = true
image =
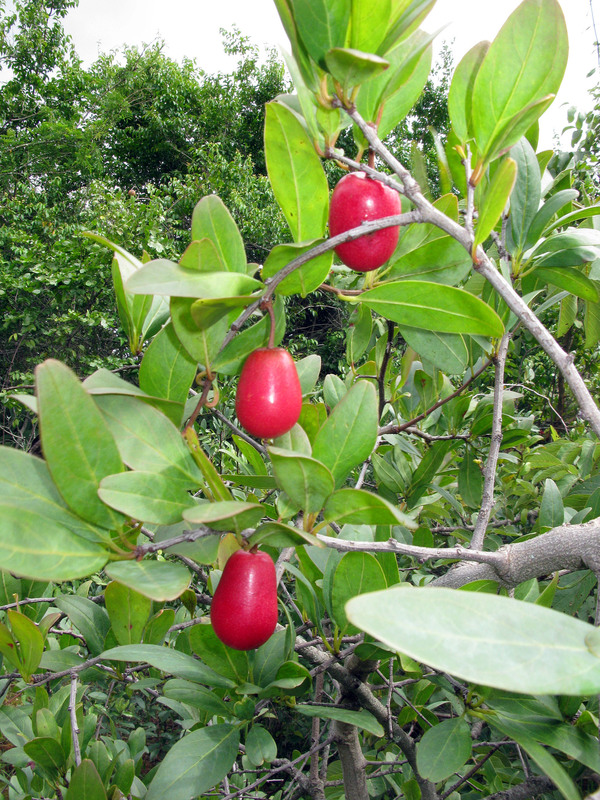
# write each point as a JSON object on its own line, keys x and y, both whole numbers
{"x": 190, "y": 28}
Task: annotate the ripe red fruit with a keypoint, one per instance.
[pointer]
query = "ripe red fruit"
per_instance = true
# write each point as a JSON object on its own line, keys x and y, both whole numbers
{"x": 268, "y": 400}
{"x": 244, "y": 607}
{"x": 356, "y": 199}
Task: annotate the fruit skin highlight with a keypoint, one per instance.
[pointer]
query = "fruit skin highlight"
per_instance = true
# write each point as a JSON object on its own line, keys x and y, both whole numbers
{"x": 357, "y": 199}
{"x": 268, "y": 399}
{"x": 244, "y": 607}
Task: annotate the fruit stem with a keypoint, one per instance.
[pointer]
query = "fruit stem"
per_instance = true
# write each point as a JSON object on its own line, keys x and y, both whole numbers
{"x": 267, "y": 305}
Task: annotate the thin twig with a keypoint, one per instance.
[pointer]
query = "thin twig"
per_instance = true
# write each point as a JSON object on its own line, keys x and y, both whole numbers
{"x": 73, "y": 715}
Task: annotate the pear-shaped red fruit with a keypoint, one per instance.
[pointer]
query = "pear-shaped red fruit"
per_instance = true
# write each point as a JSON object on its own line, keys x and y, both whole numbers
{"x": 244, "y": 607}
{"x": 357, "y": 199}
{"x": 268, "y": 400}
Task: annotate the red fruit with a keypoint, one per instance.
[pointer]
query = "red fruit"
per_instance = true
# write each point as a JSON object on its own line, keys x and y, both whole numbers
{"x": 268, "y": 400}
{"x": 358, "y": 199}
{"x": 244, "y": 607}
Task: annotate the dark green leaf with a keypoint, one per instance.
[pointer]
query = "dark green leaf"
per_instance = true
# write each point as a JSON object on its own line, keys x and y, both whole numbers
{"x": 158, "y": 580}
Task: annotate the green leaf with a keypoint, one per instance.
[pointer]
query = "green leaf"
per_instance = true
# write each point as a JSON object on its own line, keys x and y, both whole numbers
{"x": 25, "y": 483}
{"x": 277, "y": 534}
{"x": 544, "y": 760}
{"x": 460, "y": 96}
{"x": 207, "y": 311}
{"x": 85, "y": 783}
{"x": 196, "y": 763}
{"x": 571, "y": 280}
{"x": 78, "y": 446}
{"x": 591, "y": 325}
{"x": 146, "y": 496}
{"x": 431, "y": 306}
{"x": 348, "y": 436}
{"x": 552, "y": 512}
{"x": 202, "y": 551}
{"x": 524, "y": 64}
{"x": 368, "y": 23}
{"x": 306, "y": 278}
{"x": 526, "y": 195}
{"x": 211, "y": 220}
{"x": 440, "y": 259}
{"x": 128, "y": 612}
{"x": 168, "y": 278}
{"x": 356, "y": 574}
{"x": 352, "y": 67}
{"x": 308, "y": 369}
{"x": 196, "y": 696}
{"x": 148, "y": 441}
{"x": 446, "y": 351}
{"x": 444, "y": 749}
{"x": 321, "y": 25}
{"x": 170, "y": 661}
{"x": 470, "y": 480}
{"x": 549, "y": 209}
{"x": 305, "y": 480}
{"x": 232, "y": 664}
{"x": 359, "y": 507}
{"x": 495, "y": 199}
{"x": 46, "y": 752}
{"x": 225, "y": 515}
{"x": 34, "y": 546}
{"x": 30, "y": 639}
{"x": 260, "y": 746}
{"x": 159, "y": 580}
{"x": 523, "y": 648}
{"x": 167, "y": 370}
{"x": 406, "y": 18}
{"x": 202, "y": 345}
{"x": 88, "y": 617}
{"x": 569, "y": 248}
{"x": 363, "y": 720}
{"x": 295, "y": 172}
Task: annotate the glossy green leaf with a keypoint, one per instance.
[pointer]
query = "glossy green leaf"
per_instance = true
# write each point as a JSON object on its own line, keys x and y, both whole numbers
{"x": 201, "y": 344}
{"x": 278, "y": 534}
{"x": 544, "y": 760}
{"x": 159, "y": 580}
{"x": 308, "y": 369}
{"x": 495, "y": 199}
{"x": 592, "y": 324}
{"x": 526, "y": 195}
{"x": 196, "y": 763}
{"x": 571, "y": 280}
{"x": 128, "y": 612}
{"x": 232, "y": 664}
{"x": 305, "y": 480}
{"x": 196, "y": 696}
{"x": 47, "y": 752}
{"x": 261, "y": 748}
{"x": 30, "y": 639}
{"x": 211, "y": 220}
{"x": 569, "y": 248}
{"x": 441, "y": 259}
{"x": 321, "y": 24}
{"x": 355, "y": 574}
{"x": 526, "y": 648}
{"x": 306, "y": 278}
{"x": 552, "y": 512}
{"x": 146, "y": 496}
{"x": 88, "y": 617}
{"x": 148, "y": 441}
{"x": 369, "y": 20}
{"x": 460, "y": 95}
{"x": 225, "y": 515}
{"x": 295, "y": 172}
{"x": 446, "y": 351}
{"x": 25, "y": 483}
{"x": 202, "y": 255}
{"x": 202, "y": 551}
{"x": 34, "y": 546}
{"x": 359, "y": 507}
{"x": 348, "y": 436}
{"x": 173, "y": 662}
{"x": 85, "y": 783}
{"x": 524, "y": 64}
{"x": 470, "y": 480}
{"x": 78, "y": 446}
{"x": 363, "y": 720}
{"x": 167, "y": 370}
{"x": 432, "y": 306}
{"x": 206, "y": 312}
{"x": 444, "y": 749}
{"x": 351, "y": 67}
{"x": 545, "y": 214}
{"x": 407, "y": 15}
{"x": 168, "y": 278}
